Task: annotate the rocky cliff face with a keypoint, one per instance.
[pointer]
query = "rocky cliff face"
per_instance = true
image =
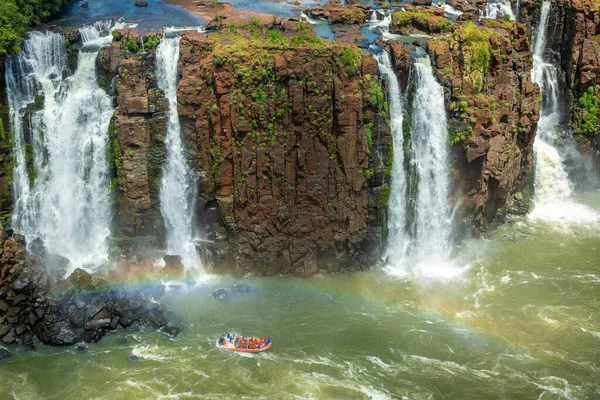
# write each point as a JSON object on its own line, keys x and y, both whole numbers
{"x": 137, "y": 134}
{"x": 290, "y": 143}
{"x": 288, "y": 134}
{"x": 493, "y": 109}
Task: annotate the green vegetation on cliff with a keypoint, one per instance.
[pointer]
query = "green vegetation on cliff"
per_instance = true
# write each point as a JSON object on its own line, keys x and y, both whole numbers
{"x": 17, "y": 15}
{"x": 586, "y": 117}
{"x": 477, "y": 52}
{"x": 412, "y": 20}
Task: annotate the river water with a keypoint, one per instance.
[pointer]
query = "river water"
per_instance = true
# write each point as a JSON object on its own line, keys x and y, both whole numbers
{"x": 520, "y": 321}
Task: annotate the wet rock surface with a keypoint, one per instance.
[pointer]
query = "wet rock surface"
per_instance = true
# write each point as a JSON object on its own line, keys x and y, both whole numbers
{"x": 493, "y": 107}
{"x": 60, "y": 312}
{"x": 282, "y": 134}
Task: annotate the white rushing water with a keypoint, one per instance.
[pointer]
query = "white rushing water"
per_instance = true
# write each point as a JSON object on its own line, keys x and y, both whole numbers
{"x": 64, "y": 199}
{"x": 429, "y": 134}
{"x": 178, "y": 184}
{"x": 552, "y": 186}
{"x": 423, "y": 248}
{"x": 497, "y": 9}
{"x": 380, "y": 19}
{"x": 398, "y": 242}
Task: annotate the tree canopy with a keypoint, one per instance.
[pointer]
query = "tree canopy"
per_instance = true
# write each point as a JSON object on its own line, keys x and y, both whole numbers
{"x": 17, "y": 15}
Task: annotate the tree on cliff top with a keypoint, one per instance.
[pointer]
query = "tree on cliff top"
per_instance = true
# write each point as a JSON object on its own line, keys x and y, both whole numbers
{"x": 17, "y": 15}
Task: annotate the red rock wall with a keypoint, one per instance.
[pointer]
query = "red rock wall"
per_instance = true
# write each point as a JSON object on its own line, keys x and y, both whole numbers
{"x": 279, "y": 135}
{"x": 496, "y": 112}
{"x": 137, "y": 134}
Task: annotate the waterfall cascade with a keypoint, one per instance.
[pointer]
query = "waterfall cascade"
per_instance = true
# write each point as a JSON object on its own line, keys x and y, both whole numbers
{"x": 427, "y": 241}
{"x": 178, "y": 184}
{"x": 397, "y": 204}
{"x": 552, "y": 186}
{"x": 497, "y": 9}
{"x": 61, "y": 182}
{"x": 429, "y": 134}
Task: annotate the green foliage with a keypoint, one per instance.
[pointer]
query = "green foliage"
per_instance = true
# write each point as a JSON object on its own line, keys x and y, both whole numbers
{"x": 376, "y": 94}
{"x": 384, "y": 195}
{"x": 17, "y": 15}
{"x": 151, "y": 42}
{"x": 455, "y": 136}
{"x": 275, "y": 36}
{"x": 350, "y": 14}
{"x": 368, "y": 173}
{"x": 116, "y": 35}
{"x": 305, "y": 40}
{"x": 131, "y": 153}
{"x": 2, "y": 133}
{"x": 31, "y": 172}
{"x": 588, "y": 107}
{"x": 131, "y": 44}
{"x": 506, "y": 18}
{"x": 369, "y": 135}
{"x": 38, "y": 100}
{"x": 493, "y": 106}
{"x": 349, "y": 58}
{"x": 477, "y": 52}
{"x": 409, "y": 16}
{"x": 413, "y": 17}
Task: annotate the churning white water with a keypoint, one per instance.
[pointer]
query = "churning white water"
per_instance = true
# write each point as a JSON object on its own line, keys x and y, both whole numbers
{"x": 429, "y": 134}
{"x": 381, "y": 20}
{"x": 63, "y": 196}
{"x": 397, "y": 238}
{"x": 178, "y": 185}
{"x": 552, "y": 186}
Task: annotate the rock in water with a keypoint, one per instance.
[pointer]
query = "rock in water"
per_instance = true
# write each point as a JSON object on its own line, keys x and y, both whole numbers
{"x": 80, "y": 279}
{"x": 59, "y": 312}
{"x": 55, "y": 332}
{"x": 141, "y": 3}
{"x": 241, "y": 288}
{"x": 220, "y": 294}
{"x": 4, "y": 353}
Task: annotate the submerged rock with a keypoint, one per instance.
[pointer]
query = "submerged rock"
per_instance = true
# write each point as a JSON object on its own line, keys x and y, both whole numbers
{"x": 241, "y": 288}
{"x": 220, "y": 294}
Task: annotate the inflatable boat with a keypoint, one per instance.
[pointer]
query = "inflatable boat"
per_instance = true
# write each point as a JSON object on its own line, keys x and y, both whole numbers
{"x": 231, "y": 342}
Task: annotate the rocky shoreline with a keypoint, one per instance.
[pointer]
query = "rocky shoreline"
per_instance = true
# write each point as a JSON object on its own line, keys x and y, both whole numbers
{"x": 36, "y": 302}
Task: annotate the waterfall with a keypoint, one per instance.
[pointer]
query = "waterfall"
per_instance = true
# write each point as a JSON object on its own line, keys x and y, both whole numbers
{"x": 397, "y": 240}
{"x": 498, "y": 9}
{"x": 382, "y": 24}
{"x": 306, "y": 18}
{"x": 425, "y": 246}
{"x": 178, "y": 185}
{"x": 551, "y": 180}
{"x": 61, "y": 183}
{"x": 553, "y": 188}
{"x": 429, "y": 136}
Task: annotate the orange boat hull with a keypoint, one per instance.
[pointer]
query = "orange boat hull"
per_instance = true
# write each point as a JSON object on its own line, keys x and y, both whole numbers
{"x": 267, "y": 347}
